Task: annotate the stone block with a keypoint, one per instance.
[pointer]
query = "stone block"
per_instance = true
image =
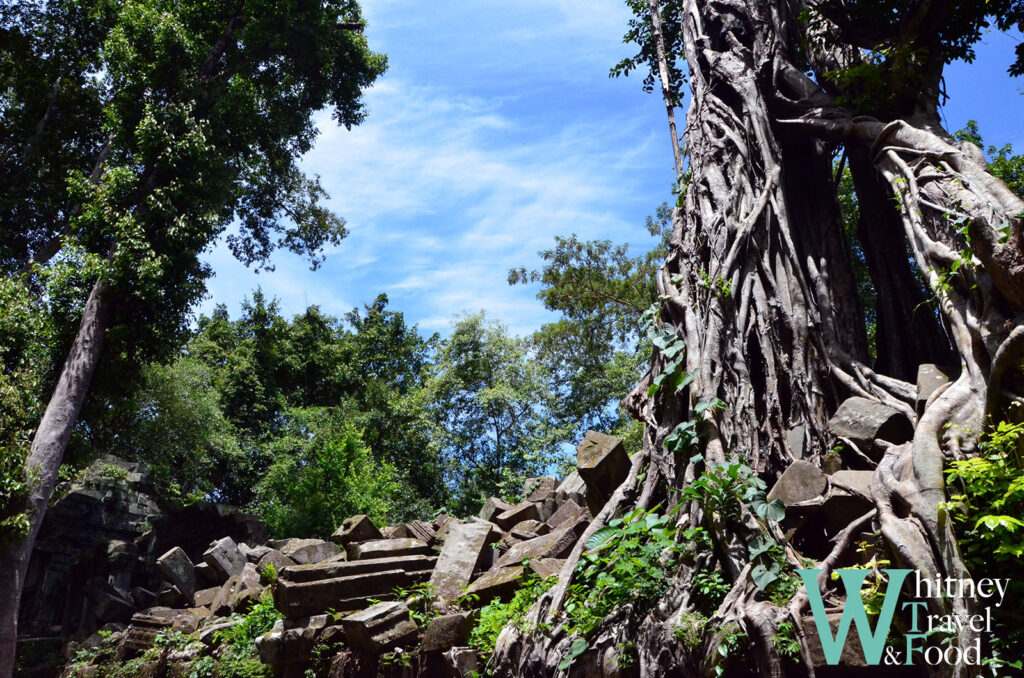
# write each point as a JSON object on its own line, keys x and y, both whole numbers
{"x": 254, "y": 553}
{"x": 572, "y": 487}
{"x": 224, "y": 558}
{"x": 534, "y": 526}
{"x": 221, "y": 605}
{"x": 168, "y": 595}
{"x": 142, "y": 598}
{"x": 500, "y": 582}
{"x": 462, "y": 662}
{"x": 447, "y": 631}
{"x": 356, "y": 528}
{"x": 423, "y": 531}
{"x": 857, "y": 482}
{"x": 206, "y": 575}
{"x": 331, "y": 569}
{"x": 931, "y": 378}
{"x": 568, "y": 511}
{"x": 396, "y": 532}
{"x": 387, "y": 548}
{"x": 800, "y": 482}
{"x": 445, "y": 527}
{"x": 558, "y": 544}
{"x": 302, "y": 599}
{"x": 275, "y": 558}
{"x": 539, "y": 489}
{"x": 603, "y": 465}
{"x": 205, "y": 597}
{"x": 179, "y": 570}
{"x": 547, "y": 567}
{"x": 380, "y": 628}
{"x": 865, "y": 421}
{"x": 495, "y": 531}
{"x": 460, "y": 557}
{"x": 304, "y": 551}
{"x": 525, "y": 510}
{"x": 493, "y": 507}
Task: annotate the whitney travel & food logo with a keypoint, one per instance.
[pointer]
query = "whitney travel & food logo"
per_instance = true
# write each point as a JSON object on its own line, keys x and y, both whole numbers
{"x": 913, "y": 650}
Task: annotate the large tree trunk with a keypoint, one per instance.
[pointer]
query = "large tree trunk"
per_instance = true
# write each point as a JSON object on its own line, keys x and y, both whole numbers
{"x": 45, "y": 458}
{"x": 760, "y": 288}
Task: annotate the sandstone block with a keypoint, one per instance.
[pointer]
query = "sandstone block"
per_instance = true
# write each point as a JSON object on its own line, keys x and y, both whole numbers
{"x": 547, "y": 567}
{"x": 572, "y": 487}
{"x": 558, "y": 544}
{"x": 224, "y": 558}
{"x": 459, "y": 558}
{"x": 493, "y": 507}
{"x": 603, "y": 464}
{"x": 423, "y": 531}
{"x": 447, "y": 631}
{"x": 522, "y": 511}
{"x": 331, "y": 569}
{"x": 539, "y": 489}
{"x": 865, "y": 421}
{"x": 304, "y": 551}
{"x": 302, "y": 599}
{"x": 568, "y": 511}
{"x": 534, "y": 526}
{"x": 205, "y": 597}
{"x": 179, "y": 570}
{"x": 500, "y": 582}
{"x": 387, "y": 548}
{"x": 275, "y": 558}
{"x": 800, "y": 482}
{"x": 356, "y": 528}
{"x": 380, "y": 628}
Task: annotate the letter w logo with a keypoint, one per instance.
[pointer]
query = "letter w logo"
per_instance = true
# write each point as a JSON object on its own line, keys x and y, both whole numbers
{"x": 854, "y": 612}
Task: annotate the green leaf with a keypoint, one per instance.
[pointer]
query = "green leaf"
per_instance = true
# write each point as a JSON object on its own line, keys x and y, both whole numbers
{"x": 776, "y": 511}
{"x": 994, "y": 522}
{"x": 763, "y": 576}
{"x": 602, "y": 537}
{"x": 578, "y": 647}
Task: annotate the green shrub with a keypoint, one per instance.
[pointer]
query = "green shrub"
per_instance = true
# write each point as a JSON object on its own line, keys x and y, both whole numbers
{"x": 690, "y": 629}
{"x": 240, "y": 640}
{"x": 496, "y": 614}
{"x": 322, "y": 474}
{"x": 986, "y": 504}
{"x": 628, "y": 561}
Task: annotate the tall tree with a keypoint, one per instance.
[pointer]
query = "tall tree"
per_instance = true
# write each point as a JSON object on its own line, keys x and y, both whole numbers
{"x": 489, "y": 401}
{"x": 596, "y": 350}
{"x": 197, "y": 113}
{"x": 759, "y": 307}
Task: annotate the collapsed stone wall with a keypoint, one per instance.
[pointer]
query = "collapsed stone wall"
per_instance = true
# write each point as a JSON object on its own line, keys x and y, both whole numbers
{"x": 94, "y": 562}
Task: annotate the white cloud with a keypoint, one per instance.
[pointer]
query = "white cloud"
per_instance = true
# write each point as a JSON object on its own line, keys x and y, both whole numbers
{"x": 475, "y": 154}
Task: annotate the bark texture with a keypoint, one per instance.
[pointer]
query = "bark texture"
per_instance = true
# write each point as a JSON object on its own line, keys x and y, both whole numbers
{"x": 759, "y": 285}
{"x": 45, "y": 457}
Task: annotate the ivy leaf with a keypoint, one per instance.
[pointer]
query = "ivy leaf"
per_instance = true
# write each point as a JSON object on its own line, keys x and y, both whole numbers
{"x": 764, "y": 576}
{"x": 759, "y": 546}
{"x": 775, "y": 511}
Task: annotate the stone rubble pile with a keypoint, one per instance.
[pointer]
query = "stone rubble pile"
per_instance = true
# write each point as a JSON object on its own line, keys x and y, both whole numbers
{"x": 341, "y": 594}
{"x": 344, "y": 597}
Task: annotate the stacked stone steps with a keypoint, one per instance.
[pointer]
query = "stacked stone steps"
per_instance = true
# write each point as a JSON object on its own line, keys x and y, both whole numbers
{"x": 345, "y": 586}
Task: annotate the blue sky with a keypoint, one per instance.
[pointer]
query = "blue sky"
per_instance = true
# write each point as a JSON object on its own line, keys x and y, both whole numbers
{"x": 496, "y": 128}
